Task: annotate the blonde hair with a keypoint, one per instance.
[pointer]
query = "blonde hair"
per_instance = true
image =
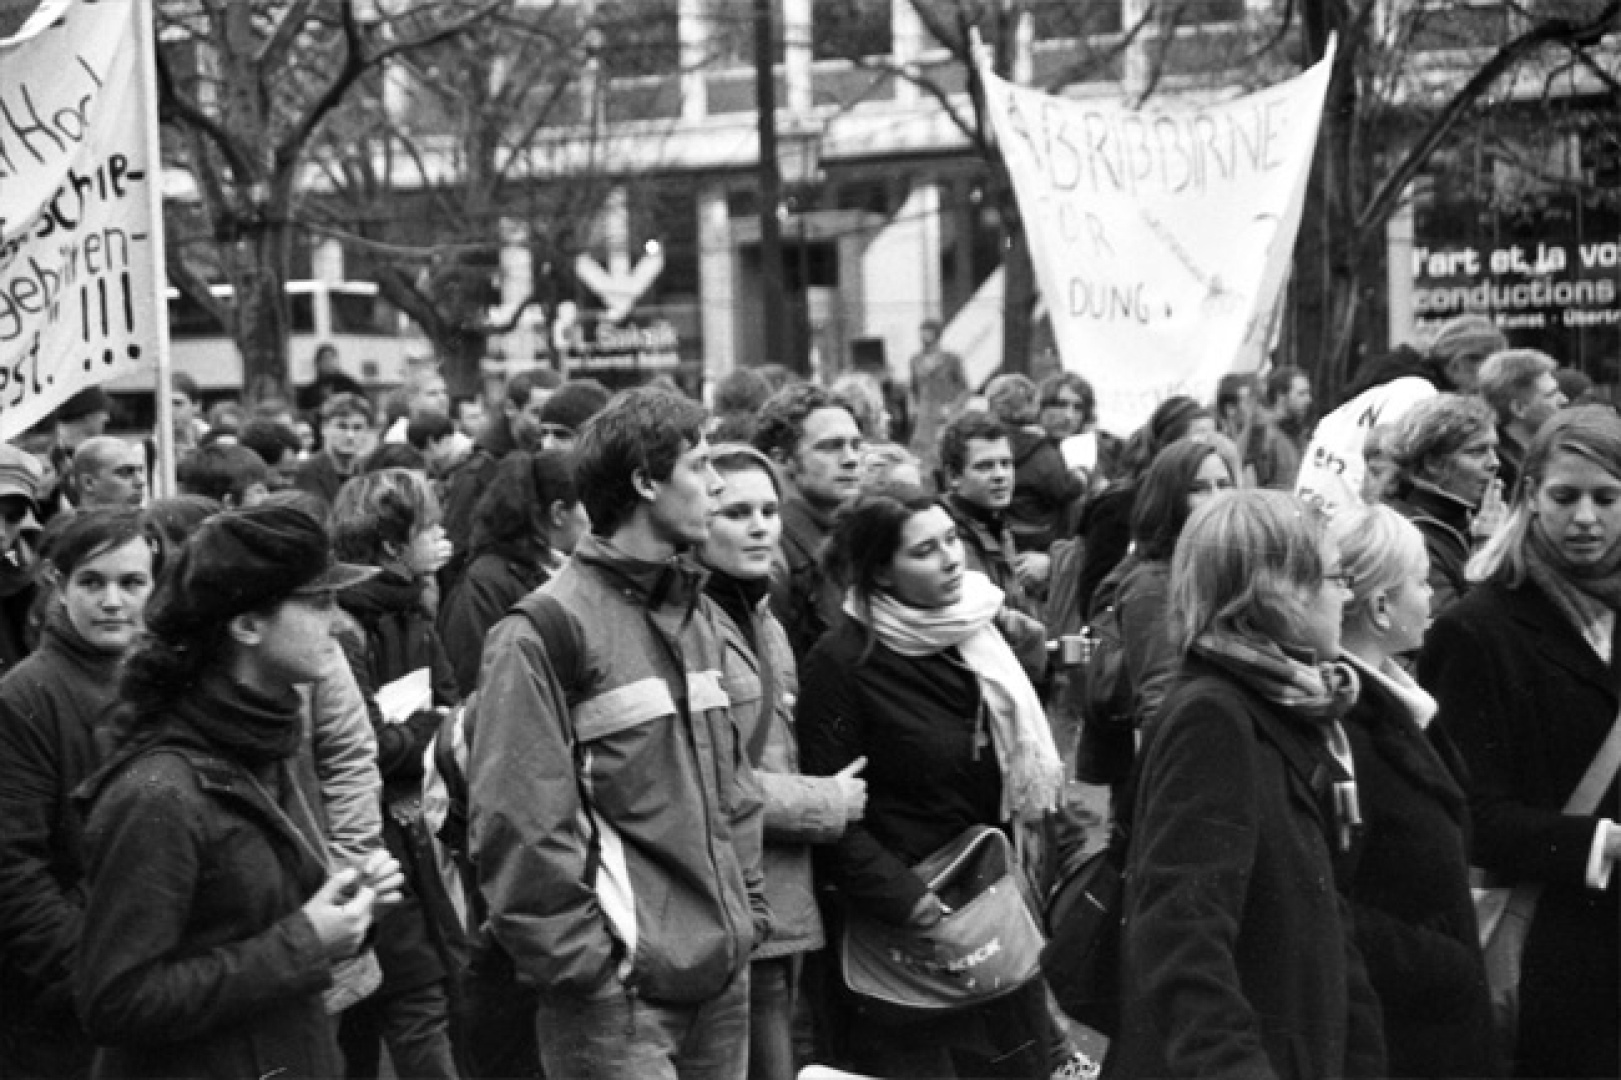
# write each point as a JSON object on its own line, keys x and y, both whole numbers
{"x": 1378, "y": 549}
{"x": 1242, "y": 566}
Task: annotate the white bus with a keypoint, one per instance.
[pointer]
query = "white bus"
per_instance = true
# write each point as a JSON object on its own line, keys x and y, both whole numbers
{"x": 374, "y": 339}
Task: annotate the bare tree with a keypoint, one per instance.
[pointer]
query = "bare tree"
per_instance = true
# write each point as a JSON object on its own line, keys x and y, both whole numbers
{"x": 246, "y": 87}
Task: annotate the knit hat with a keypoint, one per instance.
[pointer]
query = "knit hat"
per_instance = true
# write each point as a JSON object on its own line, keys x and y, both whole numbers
{"x": 575, "y": 402}
{"x": 1467, "y": 336}
{"x": 245, "y": 560}
{"x": 86, "y": 402}
{"x": 20, "y": 475}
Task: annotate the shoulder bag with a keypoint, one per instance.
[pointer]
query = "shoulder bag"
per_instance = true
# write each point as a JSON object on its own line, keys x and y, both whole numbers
{"x": 1504, "y": 914}
{"x": 987, "y": 946}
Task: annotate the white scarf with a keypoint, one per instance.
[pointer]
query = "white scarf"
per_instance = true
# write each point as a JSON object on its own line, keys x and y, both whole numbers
{"x": 1418, "y": 702}
{"x": 1032, "y": 771}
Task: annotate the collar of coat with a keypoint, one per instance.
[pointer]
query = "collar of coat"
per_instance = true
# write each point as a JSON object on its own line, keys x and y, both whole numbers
{"x": 674, "y": 583}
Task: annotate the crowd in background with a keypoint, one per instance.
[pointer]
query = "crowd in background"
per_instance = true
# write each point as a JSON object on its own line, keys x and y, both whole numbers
{"x": 565, "y": 734}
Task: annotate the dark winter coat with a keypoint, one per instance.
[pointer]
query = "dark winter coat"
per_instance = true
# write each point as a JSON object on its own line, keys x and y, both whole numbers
{"x": 1409, "y": 890}
{"x": 1444, "y": 522}
{"x": 931, "y": 772}
{"x": 196, "y": 959}
{"x": 50, "y": 707}
{"x": 1528, "y": 703}
{"x": 386, "y": 634}
{"x": 492, "y": 583}
{"x": 804, "y": 600}
{"x": 987, "y": 544}
{"x": 473, "y": 478}
{"x": 1045, "y": 492}
{"x": 319, "y": 476}
{"x": 1106, "y": 526}
{"x": 1238, "y": 955}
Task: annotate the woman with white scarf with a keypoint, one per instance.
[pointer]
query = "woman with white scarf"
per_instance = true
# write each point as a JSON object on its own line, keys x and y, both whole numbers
{"x": 918, "y": 678}
{"x": 1409, "y": 884}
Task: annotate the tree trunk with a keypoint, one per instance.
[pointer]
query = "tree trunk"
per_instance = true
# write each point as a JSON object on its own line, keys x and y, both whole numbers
{"x": 258, "y": 273}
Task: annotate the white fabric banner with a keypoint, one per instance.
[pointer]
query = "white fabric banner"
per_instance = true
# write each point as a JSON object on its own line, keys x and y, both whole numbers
{"x": 1333, "y": 469}
{"x": 1161, "y": 236}
{"x": 79, "y": 298}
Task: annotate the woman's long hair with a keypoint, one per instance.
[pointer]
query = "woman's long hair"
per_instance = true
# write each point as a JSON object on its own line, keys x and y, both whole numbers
{"x": 1161, "y": 510}
{"x": 1241, "y": 567}
{"x": 1588, "y": 431}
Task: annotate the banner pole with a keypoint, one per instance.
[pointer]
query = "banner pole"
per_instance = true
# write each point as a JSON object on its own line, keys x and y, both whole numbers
{"x": 146, "y": 32}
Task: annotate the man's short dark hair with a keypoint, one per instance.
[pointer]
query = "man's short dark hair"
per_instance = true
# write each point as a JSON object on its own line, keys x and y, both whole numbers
{"x": 641, "y": 430}
{"x": 270, "y": 439}
{"x": 523, "y": 385}
{"x": 346, "y": 405}
{"x": 741, "y": 390}
{"x": 1280, "y": 380}
{"x": 955, "y": 436}
{"x": 780, "y": 426}
{"x": 426, "y": 427}
{"x": 221, "y": 471}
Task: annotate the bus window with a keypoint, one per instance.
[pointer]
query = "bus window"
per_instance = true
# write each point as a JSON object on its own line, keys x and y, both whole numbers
{"x": 301, "y": 312}
{"x": 358, "y": 313}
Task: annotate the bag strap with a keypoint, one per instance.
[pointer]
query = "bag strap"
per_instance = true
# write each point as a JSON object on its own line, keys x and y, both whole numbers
{"x": 1584, "y": 800}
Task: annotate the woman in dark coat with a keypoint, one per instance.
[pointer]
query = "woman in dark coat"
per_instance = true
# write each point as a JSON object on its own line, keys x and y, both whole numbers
{"x": 1409, "y": 885}
{"x": 211, "y": 925}
{"x": 1526, "y": 673}
{"x": 917, "y": 679}
{"x": 1238, "y": 958}
{"x": 525, "y": 525}
{"x": 51, "y": 706}
{"x": 390, "y": 520}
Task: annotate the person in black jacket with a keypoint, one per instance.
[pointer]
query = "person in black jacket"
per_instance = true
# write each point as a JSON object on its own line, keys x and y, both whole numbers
{"x": 1237, "y": 956}
{"x": 390, "y": 520}
{"x": 1409, "y": 884}
{"x": 51, "y": 706}
{"x": 1525, "y": 671}
{"x": 917, "y": 678}
{"x": 211, "y": 923}
{"x": 527, "y": 523}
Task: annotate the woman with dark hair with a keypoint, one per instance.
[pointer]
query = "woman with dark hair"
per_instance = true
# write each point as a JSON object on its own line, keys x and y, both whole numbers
{"x": 1238, "y": 957}
{"x": 52, "y": 706}
{"x": 525, "y": 525}
{"x": 1524, "y": 670}
{"x": 1186, "y": 475}
{"x": 390, "y": 520}
{"x": 211, "y": 924}
{"x": 763, "y": 686}
{"x": 918, "y": 679}
{"x": 1106, "y": 521}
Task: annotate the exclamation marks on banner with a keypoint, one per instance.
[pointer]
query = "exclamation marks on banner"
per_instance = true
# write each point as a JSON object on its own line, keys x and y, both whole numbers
{"x": 97, "y": 315}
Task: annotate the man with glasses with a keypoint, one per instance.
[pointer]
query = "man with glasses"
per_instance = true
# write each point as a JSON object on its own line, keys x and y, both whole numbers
{"x": 816, "y": 443}
{"x": 346, "y": 423}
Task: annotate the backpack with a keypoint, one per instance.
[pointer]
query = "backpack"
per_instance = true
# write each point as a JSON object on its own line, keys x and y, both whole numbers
{"x": 445, "y": 799}
{"x": 1103, "y": 694}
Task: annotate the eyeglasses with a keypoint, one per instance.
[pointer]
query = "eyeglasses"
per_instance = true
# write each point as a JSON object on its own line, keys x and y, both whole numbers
{"x": 1340, "y": 578}
{"x": 556, "y": 431}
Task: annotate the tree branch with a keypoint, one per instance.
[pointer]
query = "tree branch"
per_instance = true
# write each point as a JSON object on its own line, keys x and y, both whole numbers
{"x": 181, "y": 110}
{"x": 1574, "y": 35}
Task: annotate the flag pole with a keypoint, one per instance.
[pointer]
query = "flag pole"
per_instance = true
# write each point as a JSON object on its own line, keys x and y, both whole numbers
{"x": 146, "y": 32}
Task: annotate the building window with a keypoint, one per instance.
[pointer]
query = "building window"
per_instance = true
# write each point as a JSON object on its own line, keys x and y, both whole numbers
{"x": 850, "y": 28}
{"x": 1065, "y": 20}
{"x": 638, "y": 39}
{"x": 731, "y": 32}
{"x": 1202, "y": 12}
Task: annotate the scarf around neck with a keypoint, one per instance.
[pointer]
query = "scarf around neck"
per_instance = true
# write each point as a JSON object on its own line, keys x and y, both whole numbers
{"x": 1032, "y": 772}
{"x": 251, "y": 727}
{"x": 1589, "y": 596}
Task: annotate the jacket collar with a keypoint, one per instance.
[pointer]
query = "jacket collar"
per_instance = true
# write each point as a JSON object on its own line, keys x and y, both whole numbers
{"x": 1560, "y": 642}
{"x": 1430, "y": 501}
{"x": 675, "y": 583}
{"x": 1396, "y": 738}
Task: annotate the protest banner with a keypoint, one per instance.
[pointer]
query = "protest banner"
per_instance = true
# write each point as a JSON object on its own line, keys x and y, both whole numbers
{"x": 81, "y": 228}
{"x": 1333, "y": 469}
{"x": 1161, "y": 236}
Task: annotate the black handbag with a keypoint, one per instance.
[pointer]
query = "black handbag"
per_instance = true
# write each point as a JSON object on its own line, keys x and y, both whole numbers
{"x": 986, "y": 947}
{"x": 1085, "y": 914}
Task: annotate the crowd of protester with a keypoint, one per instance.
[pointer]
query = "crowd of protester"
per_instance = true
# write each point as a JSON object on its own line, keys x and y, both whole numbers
{"x": 565, "y": 734}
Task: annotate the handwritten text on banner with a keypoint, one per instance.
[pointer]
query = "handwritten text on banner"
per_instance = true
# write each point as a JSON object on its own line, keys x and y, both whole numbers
{"x": 77, "y": 306}
{"x": 1161, "y": 236}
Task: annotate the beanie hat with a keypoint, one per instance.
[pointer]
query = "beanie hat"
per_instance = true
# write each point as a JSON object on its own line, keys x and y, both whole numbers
{"x": 86, "y": 402}
{"x": 575, "y": 402}
{"x": 245, "y": 560}
{"x": 1467, "y": 336}
{"x": 20, "y": 475}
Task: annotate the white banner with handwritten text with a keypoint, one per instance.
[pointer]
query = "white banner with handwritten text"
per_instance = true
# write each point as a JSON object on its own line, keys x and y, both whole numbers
{"x": 1161, "y": 236}
{"x": 78, "y": 303}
